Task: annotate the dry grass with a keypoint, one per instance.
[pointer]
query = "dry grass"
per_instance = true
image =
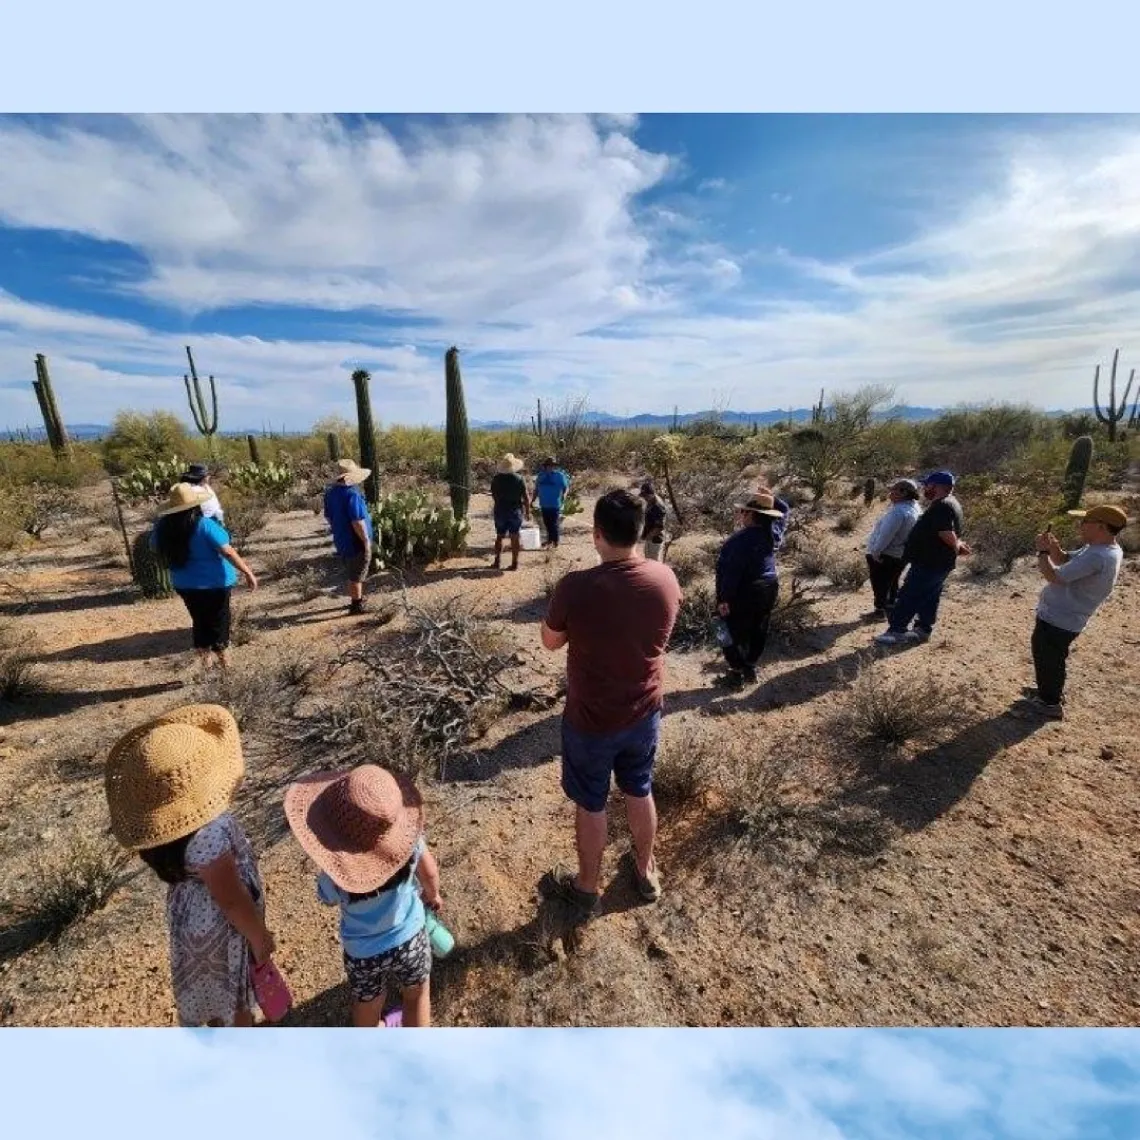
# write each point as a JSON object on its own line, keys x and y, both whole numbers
{"x": 892, "y": 708}
{"x": 21, "y": 678}
{"x": 688, "y": 756}
{"x": 812, "y": 556}
{"x": 692, "y": 565}
{"x": 849, "y": 518}
{"x": 73, "y": 882}
{"x": 694, "y": 625}
{"x": 795, "y": 615}
{"x": 846, "y": 570}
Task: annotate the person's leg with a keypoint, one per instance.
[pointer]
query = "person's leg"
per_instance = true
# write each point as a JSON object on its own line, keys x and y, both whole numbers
{"x": 417, "y": 1005}
{"x": 550, "y": 520}
{"x": 740, "y": 623}
{"x": 877, "y": 572}
{"x": 366, "y": 984}
{"x": 633, "y": 773}
{"x": 764, "y": 603}
{"x": 410, "y": 970}
{"x": 220, "y": 622}
{"x": 498, "y": 561}
{"x": 1050, "y": 647}
{"x": 892, "y": 572}
{"x": 516, "y": 526}
{"x": 927, "y": 609}
{"x": 911, "y": 593}
{"x": 243, "y": 1018}
{"x": 366, "y": 1014}
{"x": 587, "y": 767}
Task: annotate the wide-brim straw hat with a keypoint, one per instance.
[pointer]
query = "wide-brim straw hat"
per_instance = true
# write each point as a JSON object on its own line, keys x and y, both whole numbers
{"x": 185, "y": 497}
{"x": 510, "y": 463}
{"x": 350, "y": 472}
{"x": 359, "y": 826}
{"x": 761, "y": 503}
{"x": 170, "y": 776}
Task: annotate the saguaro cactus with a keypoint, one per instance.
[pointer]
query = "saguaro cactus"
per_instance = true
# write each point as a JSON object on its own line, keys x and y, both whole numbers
{"x": 1077, "y": 471}
{"x": 333, "y": 441}
{"x": 817, "y": 410}
{"x": 366, "y": 431}
{"x": 1114, "y": 413}
{"x": 151, "y": 574}
{"x": 254, "y": 450}
{"x": 53, "y": 421}
{"x": 206, "y": 423}
{"x": 868, "y": 491}
{"x": 459, "y": 437}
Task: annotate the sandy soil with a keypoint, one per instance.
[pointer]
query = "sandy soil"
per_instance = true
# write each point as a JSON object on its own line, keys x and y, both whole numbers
{"x": 1003, "y": 887}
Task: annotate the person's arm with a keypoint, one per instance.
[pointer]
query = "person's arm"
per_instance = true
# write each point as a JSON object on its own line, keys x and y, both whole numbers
{"x": 554, "y": 631}
{"x": 883, "y": 534}
{"x": 951, "y": 539}
{"x": 234, "y": 901}
{"x": 239, "y": 564}
{"x": 729, "y": 570}
{"x": 427, "y": 871}
{"x": 1057, "y": 566}
{"x": 326, "y": 891}
{"x": 361, "y": 532}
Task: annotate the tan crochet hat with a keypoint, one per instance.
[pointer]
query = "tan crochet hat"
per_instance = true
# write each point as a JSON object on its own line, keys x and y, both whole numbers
{"x": 359, "y": 826}
{"x": 509, "y": 463}
{"x": 185, "y": 497}
{"x": 350, "y": 472}
{"x": 170, "y": 776}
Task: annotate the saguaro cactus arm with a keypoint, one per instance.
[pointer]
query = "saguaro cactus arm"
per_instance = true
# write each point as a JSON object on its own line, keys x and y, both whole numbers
{"x": 206, "y": 423}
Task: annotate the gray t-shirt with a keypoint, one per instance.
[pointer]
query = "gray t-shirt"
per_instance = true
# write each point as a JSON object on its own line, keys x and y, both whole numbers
{"x": 1082, "y": 584}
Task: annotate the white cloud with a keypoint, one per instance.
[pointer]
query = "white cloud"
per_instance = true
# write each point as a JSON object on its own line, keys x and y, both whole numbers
{"x": 525, "y": 237}
{"x": 734, "y": 1084}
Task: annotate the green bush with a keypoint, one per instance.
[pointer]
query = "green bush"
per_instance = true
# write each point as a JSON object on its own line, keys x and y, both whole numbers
{"x": 151, "y": 481}
{"x": 137, "y": 440}
{"x": 413, "y": 530}
{"x": 23, "y": 463}
{"x": 272, "y": 479}
{"x": 1002, "y": 520}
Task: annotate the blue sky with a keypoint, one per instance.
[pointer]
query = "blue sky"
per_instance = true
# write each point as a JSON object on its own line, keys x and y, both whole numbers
{"x": 643, "y": 262}
{"x": 732, "y": 1084}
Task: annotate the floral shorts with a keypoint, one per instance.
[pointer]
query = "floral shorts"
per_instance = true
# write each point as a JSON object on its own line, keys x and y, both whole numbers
{"x": 403, "y": 966}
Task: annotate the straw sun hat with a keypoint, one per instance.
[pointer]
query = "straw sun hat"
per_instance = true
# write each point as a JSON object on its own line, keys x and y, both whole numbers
{"x": 350, "y": 472}
{"x": 359, "y": 826}
{"x": 509, "y": 463}
{"x": 172, "y": 775}
{"x": 185, "y": 497}
{"x": 761, "y": 503}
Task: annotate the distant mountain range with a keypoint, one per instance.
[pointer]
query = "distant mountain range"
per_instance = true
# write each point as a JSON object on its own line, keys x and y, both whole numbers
{"x": 602, "y": 419}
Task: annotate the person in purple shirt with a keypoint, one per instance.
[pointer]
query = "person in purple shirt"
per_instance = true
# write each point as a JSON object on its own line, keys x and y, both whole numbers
{"x": 351, "y": 523}
{"x": 746, "y": 582}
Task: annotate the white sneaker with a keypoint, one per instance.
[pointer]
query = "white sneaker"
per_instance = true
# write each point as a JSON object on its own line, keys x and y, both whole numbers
{"x": 890, "y": 638}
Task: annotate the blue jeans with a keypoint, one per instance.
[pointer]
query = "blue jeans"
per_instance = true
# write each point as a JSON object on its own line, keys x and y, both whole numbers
{"x": 589, "y": 762}
{"x": 918, "y": 599}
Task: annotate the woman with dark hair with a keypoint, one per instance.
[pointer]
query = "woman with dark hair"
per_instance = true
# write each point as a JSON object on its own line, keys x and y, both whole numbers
{"x": 746, "y": 582}
{"x": 204, "y": 568}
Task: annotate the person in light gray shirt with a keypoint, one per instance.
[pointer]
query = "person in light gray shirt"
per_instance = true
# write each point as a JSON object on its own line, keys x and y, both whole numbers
{"x": 886, "y": 544}
{"x": 1077, "y": 584}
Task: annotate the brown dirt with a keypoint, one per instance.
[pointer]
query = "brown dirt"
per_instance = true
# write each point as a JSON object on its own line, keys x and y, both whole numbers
{"x": 992, "y": 877}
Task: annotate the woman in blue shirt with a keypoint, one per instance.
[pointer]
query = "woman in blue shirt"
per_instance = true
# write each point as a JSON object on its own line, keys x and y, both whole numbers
{"x": 746, "y": 581}
{"x": 550, "y": 487}
{"x": 204, "y": 567}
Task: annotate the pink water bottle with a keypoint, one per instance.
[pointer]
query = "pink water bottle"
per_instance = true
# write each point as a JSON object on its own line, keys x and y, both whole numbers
{"x": 271, "y": 990}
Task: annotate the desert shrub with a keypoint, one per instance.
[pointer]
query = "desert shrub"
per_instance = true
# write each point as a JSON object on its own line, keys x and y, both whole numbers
{"x": 22, "y": 463}
{"x": 706, "y": 497}
{"x": 149, "y": 482}
{"x": 795, "y": 615}
{"x": 72, "y": 883}
{"x": 1002, "y": 522}
{"x": 812, "y": 557}
{"x": 246, "y": 514}
{"x": 694, "y": 628}
{"x": 974, "y": 440}
{"x": 30, "y": 510}
{"x": 883, "y": 450}
{"x": 136, "y": 440}
{"x": 21, "y": 678}
{"x": 692, "y": 564}
{"x": 846, "y": 570}
{"x": 413, "y": 530}
{"x": 848, "y": 518}
{"x": 883, "y": 707}
{"x": 251, "y": 689}
{"x": 307, "y": 582}
{"x": 687, "y": 757}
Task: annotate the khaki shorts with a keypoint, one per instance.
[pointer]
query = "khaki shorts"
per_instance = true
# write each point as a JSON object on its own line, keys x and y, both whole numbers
{"x": 356, "y": 565}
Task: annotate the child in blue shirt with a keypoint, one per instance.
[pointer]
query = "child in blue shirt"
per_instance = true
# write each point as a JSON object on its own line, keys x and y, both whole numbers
{"x": 364, "y": 830}
{"x": 550, "y": 487}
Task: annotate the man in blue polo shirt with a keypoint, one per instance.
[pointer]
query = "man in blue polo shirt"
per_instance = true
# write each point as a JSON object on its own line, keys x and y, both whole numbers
{"x": 550, "y": 487}
{"x": 351, "y": 524}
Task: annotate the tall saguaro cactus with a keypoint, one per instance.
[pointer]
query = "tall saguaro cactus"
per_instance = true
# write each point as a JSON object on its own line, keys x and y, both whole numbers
{"x": 1077, "y": 471}
{"x": 366, "y": 431}
{"x": 459, "y": 437}
{"x": 1114, "y": 413}
{"x": 206, "y": 423}
{"x": 53, "y": 421}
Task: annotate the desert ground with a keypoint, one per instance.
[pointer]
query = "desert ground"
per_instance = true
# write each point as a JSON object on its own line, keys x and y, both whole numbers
{"x": 983, "y": 871}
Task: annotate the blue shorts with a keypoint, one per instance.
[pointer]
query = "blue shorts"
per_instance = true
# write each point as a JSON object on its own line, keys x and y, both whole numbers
{"x": 588, "y": 762}
{"x": 508, "y": 522}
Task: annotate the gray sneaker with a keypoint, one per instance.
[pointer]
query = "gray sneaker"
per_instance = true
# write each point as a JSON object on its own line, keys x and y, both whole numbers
{"x": 890, "y": 638}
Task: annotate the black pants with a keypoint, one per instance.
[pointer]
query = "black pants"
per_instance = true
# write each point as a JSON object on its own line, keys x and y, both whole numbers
{"x": 1050, "y": 647}
{"x": 209, "y": 617}
{"x": 885, "y": 575}
{"x": 551, "y": 517}
{"x": 749, "y": 616}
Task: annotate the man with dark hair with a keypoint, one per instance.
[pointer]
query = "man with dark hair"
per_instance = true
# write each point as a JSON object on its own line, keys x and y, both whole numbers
{"x": 1076, "y": 584}
{"x": 932, "y": 550}
{"x": 550, "y": 487}
{"x": 616, "y": 618}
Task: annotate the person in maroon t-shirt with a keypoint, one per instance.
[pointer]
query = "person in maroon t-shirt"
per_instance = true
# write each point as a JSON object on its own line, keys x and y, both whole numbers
{"x": 616, "y": 618}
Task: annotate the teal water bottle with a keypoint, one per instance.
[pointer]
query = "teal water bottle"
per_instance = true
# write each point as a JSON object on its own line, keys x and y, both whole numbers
{"x": 442, "y": 940}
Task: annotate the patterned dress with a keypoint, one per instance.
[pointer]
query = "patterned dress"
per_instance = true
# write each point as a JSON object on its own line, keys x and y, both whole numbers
{"x": 209, "y": 959}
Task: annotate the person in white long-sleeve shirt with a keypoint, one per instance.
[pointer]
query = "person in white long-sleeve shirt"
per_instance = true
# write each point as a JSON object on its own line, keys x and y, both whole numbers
{"x": 887, "y": 542}
{"x": 198, "y": 475}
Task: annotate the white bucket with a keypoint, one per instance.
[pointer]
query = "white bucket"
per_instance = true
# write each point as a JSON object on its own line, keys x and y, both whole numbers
{"x": 529, "y": 538}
